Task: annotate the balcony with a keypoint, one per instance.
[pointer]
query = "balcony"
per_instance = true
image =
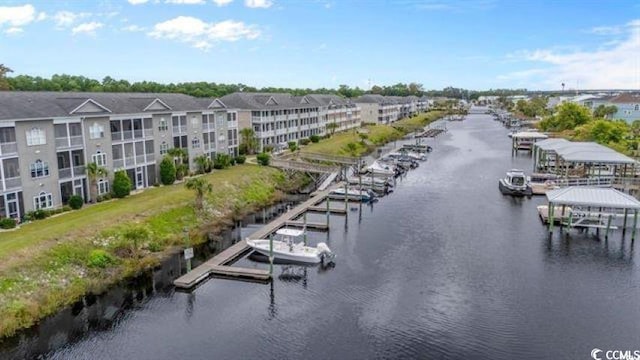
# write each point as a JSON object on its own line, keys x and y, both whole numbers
{"x": 67, "y": 173}
{"x": 137, "y": 134}
{"x": 148, "y": 132}
{"x": 179, "y": 130}
{"x": 151, "y": 158}
{"x": 129, "y": 161}
{"x": 10, "y": 148}
{"x": 66, "y": 142}
{"x": 12, "y": 183}
{"x": 140, "y": 159}
{"x": 118, "y": 163}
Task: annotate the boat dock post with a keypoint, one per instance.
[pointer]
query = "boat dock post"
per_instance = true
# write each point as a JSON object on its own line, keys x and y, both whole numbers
{"x": 270, "y": 254}
{"x": 635, "y": 224}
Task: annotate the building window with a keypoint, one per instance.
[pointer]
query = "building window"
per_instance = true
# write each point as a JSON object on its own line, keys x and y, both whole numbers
{"x": 96, "y": 131}
{"x": 195, "y": 143}
{"x": 39, "y": 169}
{"x": 100, "y": 159}
{"x": 164, "y": 148}
{"x": 163, "y": 125}
{"x": 36, "y": 136}
{"x": 637, "y": 107}
{"x": 43, "y": 201}
{"x": 103, "y": 186}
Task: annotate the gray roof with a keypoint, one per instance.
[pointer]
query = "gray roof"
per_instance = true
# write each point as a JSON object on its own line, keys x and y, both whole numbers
{"x": 15, "y": 105}
{"x": 266, "y": 101}
{"x": 597, "y": 197}
{"x": 551, "y": 144}
{"x": 583, "y": 152}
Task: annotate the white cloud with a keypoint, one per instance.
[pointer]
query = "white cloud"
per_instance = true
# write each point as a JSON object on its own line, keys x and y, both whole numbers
{"x": 87, "y": 28}
{"x": 201, "y": 34}
{"x": 258, "y": 3}
{"x": 606, "y": 30}
{"x": 41, "y": 16}
{"x": 137, "y": 2}
{"x": 13, "y": 31}
{"x": 16, "y": 16}
{"x": 222, "y": 2}
{"x": 610, "y": 65}
{"x": 133, "y": 28}
{"x": 67, "y": 18}
{"x": 185, "y": 2}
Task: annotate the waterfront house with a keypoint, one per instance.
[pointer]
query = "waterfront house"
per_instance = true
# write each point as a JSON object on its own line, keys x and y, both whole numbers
{"x": 628, "y": 107}
{"x": 48, "y": 138}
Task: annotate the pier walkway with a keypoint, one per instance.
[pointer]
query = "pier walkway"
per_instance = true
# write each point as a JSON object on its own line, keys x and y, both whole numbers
{"x": 221, "y": 263}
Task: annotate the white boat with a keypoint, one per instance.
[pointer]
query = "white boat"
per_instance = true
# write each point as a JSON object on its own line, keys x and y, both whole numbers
{"x": 515, "y": 183}
{"x": 369, "y": 181}
{"x": 380, "y": 169}
{"x": 352, "y": 194}
{"x": 289, "y": 250}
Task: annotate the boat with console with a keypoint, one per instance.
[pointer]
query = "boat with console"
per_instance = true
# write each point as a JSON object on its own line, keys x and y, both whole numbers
{"x": 515, "y": 184}
{"x": 287, "y": 248}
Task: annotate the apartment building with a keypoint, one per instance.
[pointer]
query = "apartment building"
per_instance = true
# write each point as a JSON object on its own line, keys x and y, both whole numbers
{"x": 337, "y": 110}
{"x": 48, "y": 138}
{"x": 280, "y": 118}
{"x": 378, "y": 109}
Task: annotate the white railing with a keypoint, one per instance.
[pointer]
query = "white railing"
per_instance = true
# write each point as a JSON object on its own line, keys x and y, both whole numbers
{"x": 78, "y": 170}
{"x": 118, "y": 163}
{"x": 137, "y": 134}
{"x": 148, "y": 132}
{"x": 179, "y": 129}
{"x": 127, "y": 135}
{"x": 62, "y": 142}
{"x": 129, "y": 161}
{"x": 10, "y": 148}
{"x": 64, "y": 173}
{"x": 12, "y": 183}
{"x": 151, "y": 157}
{"x": 140, "y": 159}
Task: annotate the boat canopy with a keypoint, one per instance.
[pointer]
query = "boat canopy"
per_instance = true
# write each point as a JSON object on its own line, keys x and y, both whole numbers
{"x": 594, "y": 197}
{"x": 290, "y": 232}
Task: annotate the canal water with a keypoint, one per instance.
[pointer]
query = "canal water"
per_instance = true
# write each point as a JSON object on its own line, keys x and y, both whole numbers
{"x": 445, "y": 267}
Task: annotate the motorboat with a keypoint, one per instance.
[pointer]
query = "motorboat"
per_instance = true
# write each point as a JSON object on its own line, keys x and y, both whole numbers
{"x": 381, "y": 170}
{"x": 371, "y": 182}
{"x": 352, "y": 194}
{"x": 288, "y": 249}
{"x": 417, "y": 148}
{"x": 515, "y": 184}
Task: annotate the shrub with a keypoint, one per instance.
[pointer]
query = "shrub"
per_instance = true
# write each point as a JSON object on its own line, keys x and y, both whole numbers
{"x": 304, "y": 141}
{"x": 100, "y": 259}
{"x": 263, "y": 159}
{"x": 7, "y": 223}
{"x": 181, "y": 171}
{"x": 268, "y": 148}
{"x": 39, "y": 214}
{"x": 293, "y": 146}
{"x": 314, "y": 138}
{"x": 121, "y": 184}
{"x": 167, "y": 171}
{"x": 76, "y": 202}
{"x": 66, "y": 208}
{"x": 240, "y": 159}
{"x": 222, "y": 161}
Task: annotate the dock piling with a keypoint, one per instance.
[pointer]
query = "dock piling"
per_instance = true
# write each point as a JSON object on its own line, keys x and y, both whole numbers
{"x": 271, "y": 254}
{"x": 606, "y": 234}
{"x": 635, "y": 223}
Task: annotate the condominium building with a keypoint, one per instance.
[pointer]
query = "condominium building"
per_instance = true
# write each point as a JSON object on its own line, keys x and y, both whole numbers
{"x": 48, "y": 138}
{"x": 379, "y": 109}
{"x": 280, "y": 118}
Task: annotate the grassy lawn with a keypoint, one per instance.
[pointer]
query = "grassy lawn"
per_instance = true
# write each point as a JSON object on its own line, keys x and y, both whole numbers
{"x": 50, "y": 263}
{"x": 349, "y": 143}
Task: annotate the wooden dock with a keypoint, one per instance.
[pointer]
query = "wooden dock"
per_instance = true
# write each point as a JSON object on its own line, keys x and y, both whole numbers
{"x": 308, "y": 225}
{"x": 221, "y": 263}
{"x": 322, "y": 209}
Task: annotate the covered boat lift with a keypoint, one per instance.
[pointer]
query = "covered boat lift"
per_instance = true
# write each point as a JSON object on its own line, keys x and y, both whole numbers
{"x": 593, "y": 208}
{"x": 525, "y": 140}
{"x": 581, "y": 159}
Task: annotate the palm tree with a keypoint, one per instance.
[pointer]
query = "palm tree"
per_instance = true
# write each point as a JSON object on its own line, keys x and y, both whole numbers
{"x": 332, "y": 127}
{"x": 93, "y": 173}
{"x": 204, "y": 163}
{"x": 202, "y": 187}
{"x": 248, "y": 138}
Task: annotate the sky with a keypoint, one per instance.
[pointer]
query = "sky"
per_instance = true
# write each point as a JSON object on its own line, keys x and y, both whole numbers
{"x": 472, "y": 44}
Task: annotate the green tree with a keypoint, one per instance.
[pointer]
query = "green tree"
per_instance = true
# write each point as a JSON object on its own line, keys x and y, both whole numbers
{"x": 331, "y": 127}
{"x": 201, "y": 187}
{"x": 248, "y": 138}
{"x": 222, "y": 161}
{"x": 4, "y": 84}
{"x": 293, "y": 146}
{"x": 605, "y": 111}
{"x": 121, "y": 184}
{"x": 568, "y": 116}
{"x": 167, "y": 170}
{"x": 94, "y": 172}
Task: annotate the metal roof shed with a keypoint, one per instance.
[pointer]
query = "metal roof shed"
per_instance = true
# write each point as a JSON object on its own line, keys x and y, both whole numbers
{"x": 607, "y": 198}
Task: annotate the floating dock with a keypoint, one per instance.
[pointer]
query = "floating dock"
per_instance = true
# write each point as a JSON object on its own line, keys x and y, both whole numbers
{"x": 221, "y": 263}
